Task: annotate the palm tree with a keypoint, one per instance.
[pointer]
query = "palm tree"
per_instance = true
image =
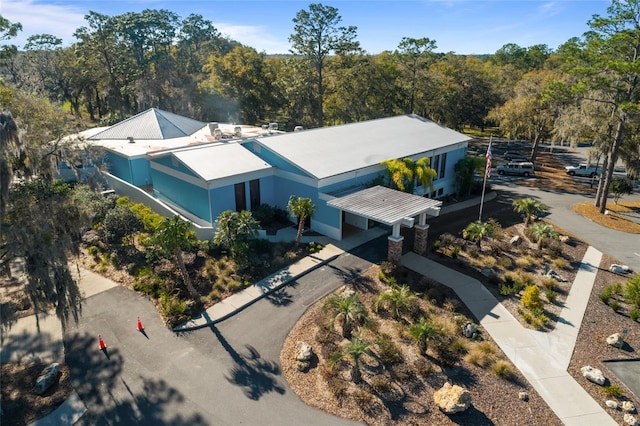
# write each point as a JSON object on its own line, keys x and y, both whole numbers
{"x": 530, "y": 208}
{"x": 233, "y": 228}
{"x": 542, "y": 231}
{"x": 172, "y": 236}
{"x": 397, "y": 299}
{"x": 424, "y": 331}
{"x": 354, "y": 350}
{"x": 302, "y": 208}
{"x": 477, "y": 231}
{"x": 348, "y": 311}
{"x": 407, "y": 173}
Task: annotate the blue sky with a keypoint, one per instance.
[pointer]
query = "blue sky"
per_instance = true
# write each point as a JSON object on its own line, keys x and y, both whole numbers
{"x": 460, "y": 26}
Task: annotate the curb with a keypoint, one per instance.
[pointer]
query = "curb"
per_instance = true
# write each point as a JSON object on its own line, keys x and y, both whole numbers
{"x": 262, "y": 296}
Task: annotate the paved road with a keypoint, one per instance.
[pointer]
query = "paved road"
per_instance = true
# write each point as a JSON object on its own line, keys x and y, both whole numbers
{"x": 622, "y": 246}
{"x": 224, "y": 375}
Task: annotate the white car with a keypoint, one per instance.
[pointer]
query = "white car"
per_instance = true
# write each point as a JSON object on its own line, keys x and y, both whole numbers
{"x": 582, "y": 170}
{"x": 525, "y": 169}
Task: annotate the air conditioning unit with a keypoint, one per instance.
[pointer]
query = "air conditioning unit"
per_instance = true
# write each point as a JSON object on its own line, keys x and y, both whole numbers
{"x": 237, "y": 131}
{"x": 273, "y": 126}
{"x": 212, "y": 127}
{"x": 217, "y": 134}
{"x": 298, "y": 129}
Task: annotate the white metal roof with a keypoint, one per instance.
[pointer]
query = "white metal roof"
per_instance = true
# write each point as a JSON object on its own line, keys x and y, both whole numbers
{"x": 151, "y": 124}
{"x": 386, "y": 205}
{"x": 330, "y": 151}
{"x": 212, "y": 162}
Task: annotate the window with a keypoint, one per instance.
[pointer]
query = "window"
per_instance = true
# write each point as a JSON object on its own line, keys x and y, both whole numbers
{"x": 443, "y": 164}
{"x": 241, "y": 197}
{"x": 435, "y": 165}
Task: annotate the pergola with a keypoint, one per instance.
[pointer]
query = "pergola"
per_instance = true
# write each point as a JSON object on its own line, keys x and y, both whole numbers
{"x": 394, "y": 208}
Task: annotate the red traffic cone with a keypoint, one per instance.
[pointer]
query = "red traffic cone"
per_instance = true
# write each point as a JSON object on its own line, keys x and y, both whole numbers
{"x": 102, "y": 345}
{"x": 140, "y": 327}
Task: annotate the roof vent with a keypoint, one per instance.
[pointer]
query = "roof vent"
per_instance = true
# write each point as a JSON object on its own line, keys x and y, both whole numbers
{"x": 237, "y": 131}
{"x": 217, "y": 134}
{"x": 273, "y": 127}
{"x": 212, "y": 127}
{"x": 298, "y": 129}
{"x": 131, "y": 139}
{"x": 265, "y": 130}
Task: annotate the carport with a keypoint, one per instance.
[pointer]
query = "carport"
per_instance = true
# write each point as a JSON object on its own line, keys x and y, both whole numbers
{"x": 393, "y": 208}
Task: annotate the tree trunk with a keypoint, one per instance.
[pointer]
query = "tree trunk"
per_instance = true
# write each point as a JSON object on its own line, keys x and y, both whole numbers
{"x": 611, "y": 166}
{"x": 605, "y": 165}
{"x": 301, "y": 221}
{"x": 185, "y": 274}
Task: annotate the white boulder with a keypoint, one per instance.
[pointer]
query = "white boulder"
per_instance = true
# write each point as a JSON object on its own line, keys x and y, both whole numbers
{"x": 628, "y": 407}
{"x": 630, "y": 420}
{"x": 615, "y": 339}
{"x": 593, "y": 375}
{"x": 611, "y": 404}
{"x": 47, "y": 378}
{"x": 452, "y": 399}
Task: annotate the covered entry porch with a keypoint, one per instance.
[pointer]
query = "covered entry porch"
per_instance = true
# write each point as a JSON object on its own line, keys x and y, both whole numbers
{"x": 392, "y": 208}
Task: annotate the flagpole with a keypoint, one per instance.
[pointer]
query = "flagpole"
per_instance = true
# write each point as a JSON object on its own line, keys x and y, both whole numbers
{"x": 487, "y": 172}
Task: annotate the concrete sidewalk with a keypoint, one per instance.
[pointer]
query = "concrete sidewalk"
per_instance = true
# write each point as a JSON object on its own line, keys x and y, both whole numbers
{"x": 541, "y": 357}
{"x": 239, "y": 301}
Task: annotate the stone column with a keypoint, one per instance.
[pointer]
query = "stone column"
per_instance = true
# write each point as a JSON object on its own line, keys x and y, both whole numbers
{"x": 420, "y": 239}
{"x": 394, "y": 252}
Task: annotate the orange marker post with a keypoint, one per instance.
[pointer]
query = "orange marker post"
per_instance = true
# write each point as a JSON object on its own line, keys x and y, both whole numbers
{"x": 140, "y": 327}
{"x": 102, "y": 344}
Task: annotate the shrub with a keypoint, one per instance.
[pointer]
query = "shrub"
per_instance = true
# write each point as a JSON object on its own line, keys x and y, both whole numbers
{"x": 422, "y": 367}
{"x": 605, "y": 295}
{"x": 503, "y": 369}
{"x": 488, "y": 261}
{"x": 549, "y": 283}
{"x": 613, "y": 391}
{"x": 531, "y": 298}
{"x": 389, "y": 353}
{"x": 455, "y": 251}
{"x": 364, "y": 400}
{"x": 634, "y": 314}
{"x": 118, "y": 222}
{"x": 93, "y": 251}
{"x": 338, "y": 388}
{"x": 505, "y": 262}
{"x": 614, "y": 304}
{"x": 561, "y": 263}
{"x": 523, "y": 262}
{"x": 505, "y": 289}
{"x": 214, "y": 295}
{"x": 147, "y": 217}
{"x": 451, "y": 305}
{"x": 381, "y": 384}
{"x": 632, "y": 291}
{"x": 173, "y": 309}
{"x": 481, "y": 355}
{"x": 551, "y": 295}
{"x": 526, "y": 279}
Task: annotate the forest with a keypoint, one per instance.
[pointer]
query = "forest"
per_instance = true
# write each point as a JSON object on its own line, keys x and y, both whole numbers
{"x": 586, "y": 90}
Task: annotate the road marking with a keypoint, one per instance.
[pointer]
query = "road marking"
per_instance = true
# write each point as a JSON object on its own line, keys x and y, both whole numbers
{"x": 636, "y": 254}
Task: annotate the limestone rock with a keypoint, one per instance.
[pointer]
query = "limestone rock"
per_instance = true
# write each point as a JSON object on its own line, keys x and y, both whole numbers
{"x": 515, "y": 240}
{"x": 523, "y": 396}
{"x": 611, "y": 404}
{"x": 303, "y": 351}
{"x": 303, "y": 366}
{"x": 47, "y": 378}
{"x": 564, "y": 239}
{"x": 452, "y": 399}
{"x": 615, "y": 339}
{"x": 469, "y": 330}
{"x": 593, "y": 375}
{"x": 628, "y": 407}
{"x": 630, "y": 420}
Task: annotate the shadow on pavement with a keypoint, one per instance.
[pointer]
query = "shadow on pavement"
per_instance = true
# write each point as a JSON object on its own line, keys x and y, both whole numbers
{"x": 255, "y": 375}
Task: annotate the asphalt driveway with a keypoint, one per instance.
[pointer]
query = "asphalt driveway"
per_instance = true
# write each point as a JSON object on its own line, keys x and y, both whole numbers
{"x": 223, "y": 375}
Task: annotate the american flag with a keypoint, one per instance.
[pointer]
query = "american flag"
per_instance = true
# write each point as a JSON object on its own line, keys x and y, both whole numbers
{"x": 489, "y": 157}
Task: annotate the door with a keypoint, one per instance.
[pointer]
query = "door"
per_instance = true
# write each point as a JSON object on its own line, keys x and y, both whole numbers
{"x": 254, "y": 193}
{"x": 241, "y": 197}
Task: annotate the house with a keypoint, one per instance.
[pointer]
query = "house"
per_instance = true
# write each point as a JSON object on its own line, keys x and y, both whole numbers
{"x": 201, "y": 169}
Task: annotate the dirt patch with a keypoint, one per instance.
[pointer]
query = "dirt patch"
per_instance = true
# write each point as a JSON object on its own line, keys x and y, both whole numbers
{"x": 20, "y": 404}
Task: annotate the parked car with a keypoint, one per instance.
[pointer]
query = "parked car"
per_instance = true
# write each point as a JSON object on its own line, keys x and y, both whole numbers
{"x": 582, "y": 170}
{"x": 515, "y": 157}
{"x": 525, "y": 168}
